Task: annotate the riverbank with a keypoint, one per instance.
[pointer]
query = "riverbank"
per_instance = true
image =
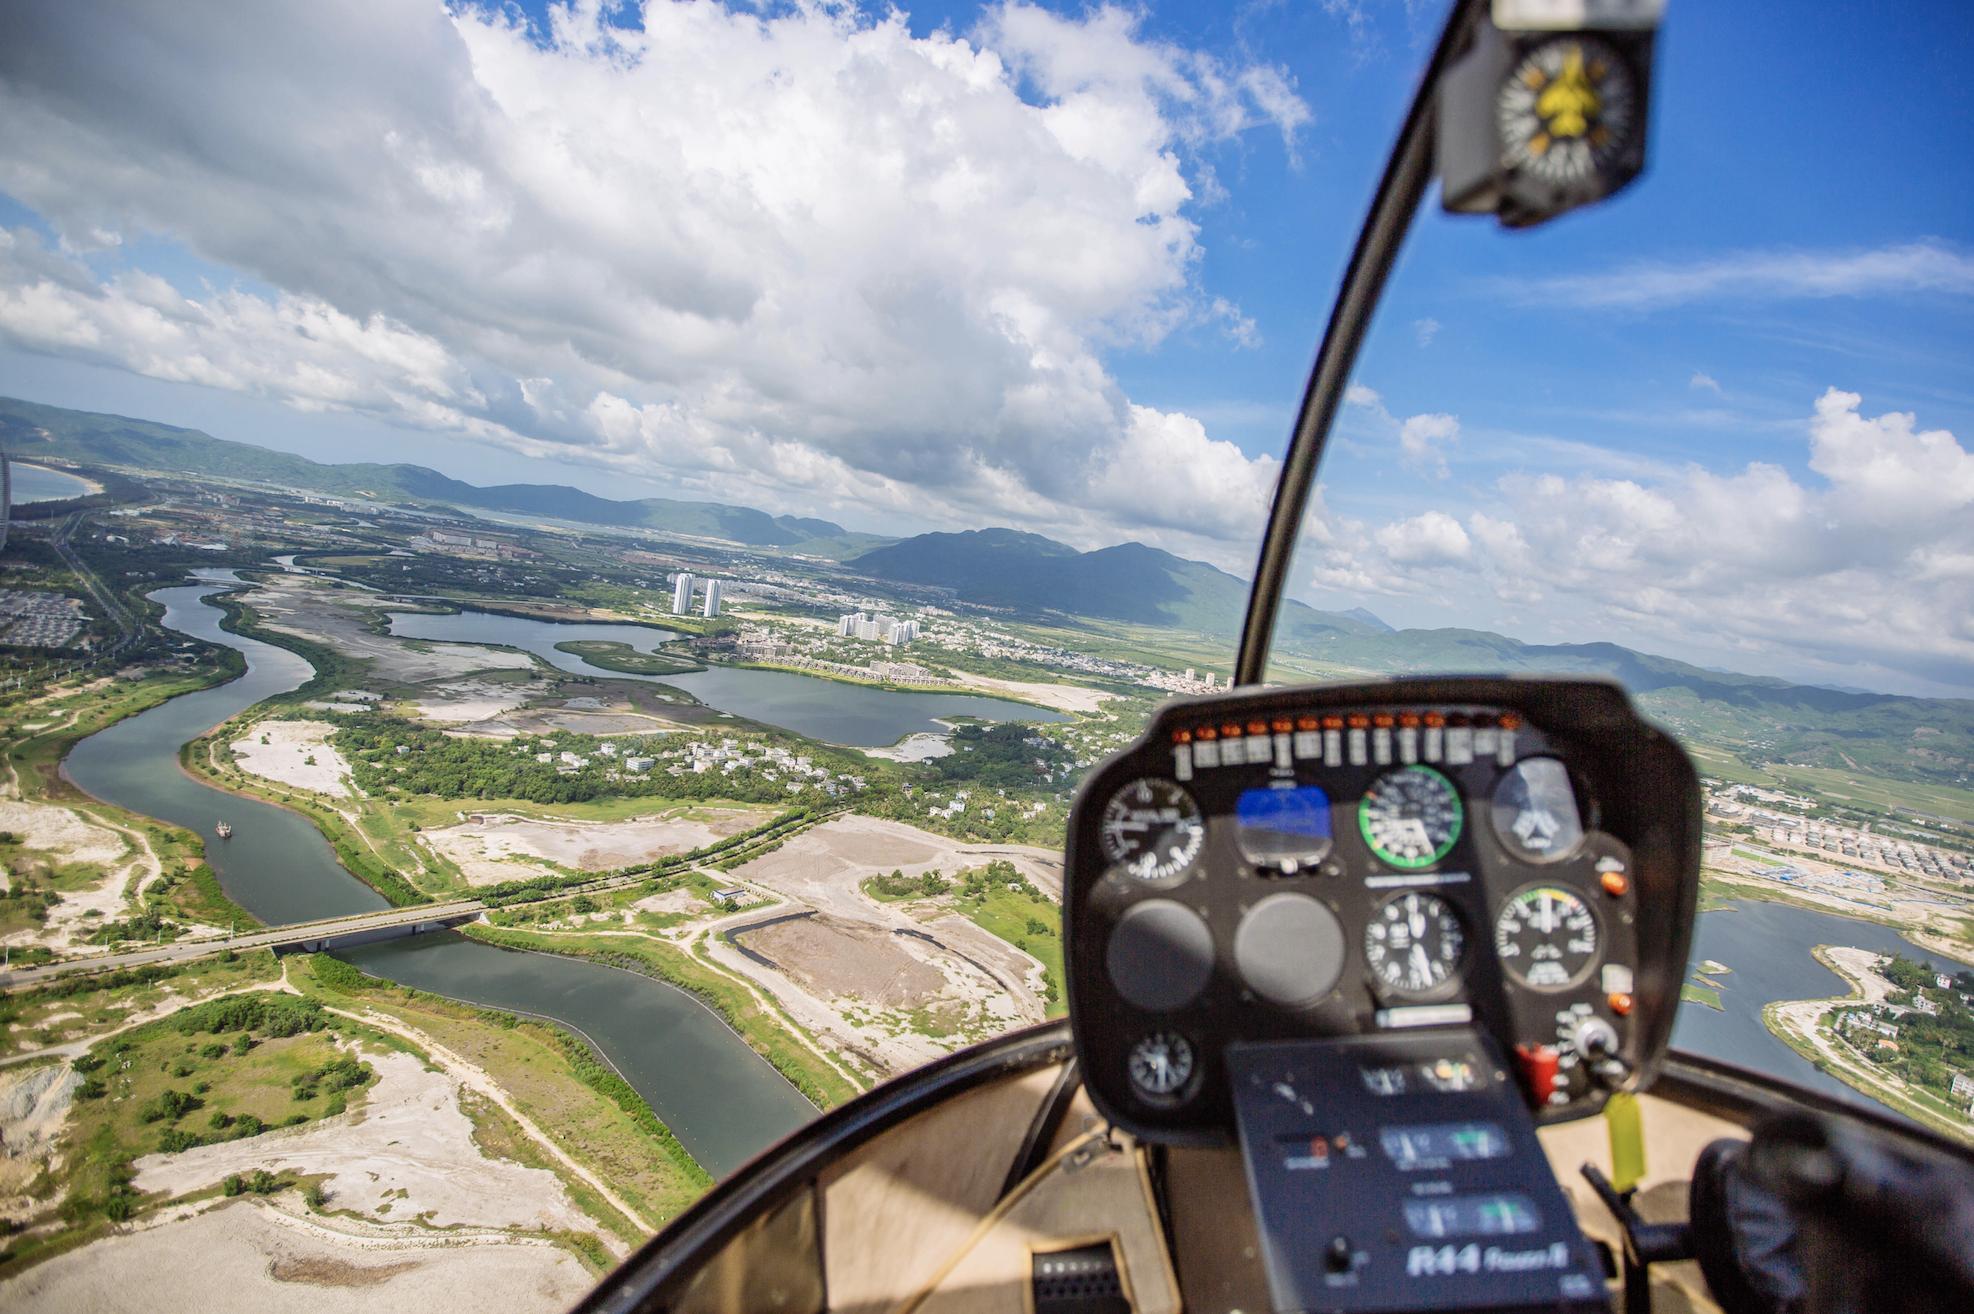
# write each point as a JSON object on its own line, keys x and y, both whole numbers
{"x": 1808, "y": 1026}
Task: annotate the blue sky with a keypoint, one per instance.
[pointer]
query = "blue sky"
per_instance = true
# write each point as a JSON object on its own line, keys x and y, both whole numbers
{"x": 1620, "y": 426}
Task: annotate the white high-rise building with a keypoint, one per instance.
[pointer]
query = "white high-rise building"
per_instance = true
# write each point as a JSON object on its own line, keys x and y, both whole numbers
{"x": 846, "y": 626}
{"x": 712, "y": 598}
{"x": 682, "y": 594}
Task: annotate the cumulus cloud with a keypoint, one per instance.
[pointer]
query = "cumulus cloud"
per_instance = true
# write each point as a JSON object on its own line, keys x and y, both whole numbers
{"x": 1421, "y": 438}
{"x": 803, "y": 258}
{"x": 1761, "y": 275}
{"x": 1874, "y": 564}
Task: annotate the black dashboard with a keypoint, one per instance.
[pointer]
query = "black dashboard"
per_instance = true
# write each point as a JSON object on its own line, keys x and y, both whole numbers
{"x": 1516, "y": 857}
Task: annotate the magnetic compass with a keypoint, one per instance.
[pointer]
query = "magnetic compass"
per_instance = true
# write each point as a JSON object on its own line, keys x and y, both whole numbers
{"x": 1152, "y": 828}
{"x": 1567, "y": 112}
{"x": 1413, "y": 943}
{"x": 1410, "y": 817}
{"x": 1161, "y": 1067}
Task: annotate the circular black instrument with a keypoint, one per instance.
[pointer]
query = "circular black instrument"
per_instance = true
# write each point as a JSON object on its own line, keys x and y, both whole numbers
{"x": 1414, "y": 943}
{"x": 1152, "y": 828}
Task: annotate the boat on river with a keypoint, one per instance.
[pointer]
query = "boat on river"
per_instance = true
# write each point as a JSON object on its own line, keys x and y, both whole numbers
{"x": 223, "y": 830}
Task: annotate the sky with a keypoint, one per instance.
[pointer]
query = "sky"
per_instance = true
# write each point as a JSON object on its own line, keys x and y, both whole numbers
{"x": 1057, "y": 266}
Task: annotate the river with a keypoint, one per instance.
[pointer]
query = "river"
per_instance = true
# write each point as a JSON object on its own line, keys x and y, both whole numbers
{"x": 833, "y": 711}
{"x": 722, "y": 1100}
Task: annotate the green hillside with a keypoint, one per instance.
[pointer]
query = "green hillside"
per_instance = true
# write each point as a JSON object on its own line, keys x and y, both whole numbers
{"x": 1128, "y": 582}
{"x": 31, "y": 430}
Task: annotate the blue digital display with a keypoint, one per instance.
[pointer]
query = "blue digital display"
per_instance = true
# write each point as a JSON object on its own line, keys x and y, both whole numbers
{"x": 1286, "y": 828}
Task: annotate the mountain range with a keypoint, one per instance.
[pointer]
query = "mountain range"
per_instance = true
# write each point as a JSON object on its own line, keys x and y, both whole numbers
{"x": 1931, "y": 738}
{"x": 29, "y": 430}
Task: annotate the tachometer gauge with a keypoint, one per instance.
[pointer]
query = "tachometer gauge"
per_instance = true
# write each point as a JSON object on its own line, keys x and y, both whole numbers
{"x": 1153, "y": 828}
{"x": 1410, "y": 817}
{"x": 1161, "y": 1067}
{"x": 1413, "y": 943}
{"x": 1547, "y": 937}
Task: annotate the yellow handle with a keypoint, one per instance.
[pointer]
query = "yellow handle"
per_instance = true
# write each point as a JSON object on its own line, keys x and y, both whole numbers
{"x": 1627, "y": 1128}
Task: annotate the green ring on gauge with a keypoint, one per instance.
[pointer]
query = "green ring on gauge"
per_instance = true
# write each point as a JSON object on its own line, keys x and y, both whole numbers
{"x": 1411, "y": 817}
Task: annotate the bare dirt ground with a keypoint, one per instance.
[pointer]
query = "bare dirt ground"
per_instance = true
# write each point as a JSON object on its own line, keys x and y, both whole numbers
{"x": 819, "y": 865}
{"x": 1062, "y": 697}
{"x": 407, "y": 1156}
{"x": 305, "y": 606}
{"x": 834, "y": 958}
{"x": 484, "y": 849}
{"x": 249, "y": 1254}
{"x": 914, "y": 748}
{"x": 295, "y": 753}
{"x": 61, "y": 836}
{"x": 462, "y": 701}
{"x": 582, "y": 716}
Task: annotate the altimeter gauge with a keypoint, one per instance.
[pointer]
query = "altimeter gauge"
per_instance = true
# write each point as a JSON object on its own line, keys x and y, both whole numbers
{"x": 1547, "y": 937}
{"x": 1152, "y": 828}
{"x": 1567, "y": 112}
{"x": 1413, "y": 943}
{"x": 1411, "y": 817}
{"x": 1161, "y": 1067}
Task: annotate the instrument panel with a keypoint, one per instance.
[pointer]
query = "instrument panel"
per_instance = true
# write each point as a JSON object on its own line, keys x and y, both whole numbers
{"x": 1381, "y": 859}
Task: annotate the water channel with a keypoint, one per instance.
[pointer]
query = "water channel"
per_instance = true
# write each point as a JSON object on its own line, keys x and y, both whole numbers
{"x": 721, "y": 1099}
{"x": 830, "y": 710}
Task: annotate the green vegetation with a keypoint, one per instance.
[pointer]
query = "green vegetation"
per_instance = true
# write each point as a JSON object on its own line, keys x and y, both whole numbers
{"x": 100, "y": 1002}
{"x": 1010, "y": 755}
{"x": 553, "y": 1080}
{"x": 1000, "y": 900}
{"x": 1699, "y": 994}
{"x": 622, "y": 657}
{"x": 768, "y": 1032}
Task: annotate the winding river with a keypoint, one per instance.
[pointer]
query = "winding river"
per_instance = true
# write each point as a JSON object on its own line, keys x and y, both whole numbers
{"x": 721, "y": 1099}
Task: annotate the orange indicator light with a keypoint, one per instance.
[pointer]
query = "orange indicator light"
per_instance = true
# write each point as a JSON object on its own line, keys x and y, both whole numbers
{"x": 1182, "y": 737}
{"x": 1408, "y": 719}
{"x": 1284, "y": 725}
{"x": 1206, "y": 732}
{"x": 1616, "y": 883}
{"x": 1434, "y": 718}
{"x": 1382, "y": 720}
{"x": 1257, "y": 727}
{"x": 1230, "y": 731}
{"x": 1620, "y": 1003}
{"x": 1308, "y": 723}
{"x": 1359, "y": 722}
{"x": 1511, "y": 722}
{"x": 1333, "y": 723}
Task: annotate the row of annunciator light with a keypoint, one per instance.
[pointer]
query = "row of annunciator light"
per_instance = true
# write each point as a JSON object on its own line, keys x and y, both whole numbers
{"x": 1359, "y": 740}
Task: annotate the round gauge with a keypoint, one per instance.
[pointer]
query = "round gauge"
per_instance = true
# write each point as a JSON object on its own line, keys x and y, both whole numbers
{"x": 1161, "y": 1067}
{"x": 1547, "y": 937}
{"x": 1413, "y": 943}
{"x": 1153, "y": 828}
{"x": 1567, "y": 111}
{"x": 1534, "y": 811}
{"x": 1410, "y": 817}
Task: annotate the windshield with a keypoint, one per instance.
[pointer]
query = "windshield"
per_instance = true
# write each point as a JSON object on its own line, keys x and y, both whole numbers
{"x": 564, "y": 565}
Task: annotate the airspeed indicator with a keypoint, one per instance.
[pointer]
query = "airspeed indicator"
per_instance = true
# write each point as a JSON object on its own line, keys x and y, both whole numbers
{"x": 1152, "y": 828}
{"x": 1547, "y": 938}
{"x": 1411, "y": 817}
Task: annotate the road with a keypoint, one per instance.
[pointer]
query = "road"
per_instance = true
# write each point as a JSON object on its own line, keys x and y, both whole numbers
{"x": 184, "y": 949}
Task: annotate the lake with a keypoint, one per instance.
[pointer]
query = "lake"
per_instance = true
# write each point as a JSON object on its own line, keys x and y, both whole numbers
{"x": 1768, "y": 946}
{"x": 833, "y": 711}
{"x": 37, "y": 483}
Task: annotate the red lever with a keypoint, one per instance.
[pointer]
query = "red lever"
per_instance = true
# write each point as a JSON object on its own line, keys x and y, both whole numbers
{"x": 1539, "y": 1070}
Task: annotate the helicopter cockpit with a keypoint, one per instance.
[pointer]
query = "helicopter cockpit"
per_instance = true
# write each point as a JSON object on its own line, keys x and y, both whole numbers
{"x": 1353, "y": 969}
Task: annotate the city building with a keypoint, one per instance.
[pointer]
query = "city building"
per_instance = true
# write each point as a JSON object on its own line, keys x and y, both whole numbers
{"x": 712, "y": 598}
{"x": 682, "y": 593}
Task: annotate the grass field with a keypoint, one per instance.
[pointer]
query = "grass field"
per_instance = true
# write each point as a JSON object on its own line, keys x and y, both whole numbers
{"x": 622, "y": 657}
{"x": 1013, "y": 915}
{"x": 1939, "y": 800}
{"x": 79, "y": 1007}
{"x": 1699, "y": 994}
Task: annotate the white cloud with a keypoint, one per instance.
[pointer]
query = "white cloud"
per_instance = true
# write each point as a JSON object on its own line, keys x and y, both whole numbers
{"x": 1706, "y": 381}
{"x": 805, "y": 260}
{"x": 1425, "y": 330}
{"x": 1875, "y": 567}
{"x": 1760, "y": 275}
{"x": 1421, "y": 438}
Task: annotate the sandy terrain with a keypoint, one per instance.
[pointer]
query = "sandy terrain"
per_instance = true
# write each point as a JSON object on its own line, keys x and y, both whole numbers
{"x": 246, "y": 1254}
{"x": 407, "y": 1155}
{"x": 914, "y": 748}
{"x": 286, "y": 756}
{"x": 308, "y": 607}
{"x": 484, "y": 849}
{"x": 61, "y": 836}
{"x": 459, "y": 701}
{"x": 671, "y": 901}
{"x": 34, "y": 1104}
{"x": 1062, "y": 697}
